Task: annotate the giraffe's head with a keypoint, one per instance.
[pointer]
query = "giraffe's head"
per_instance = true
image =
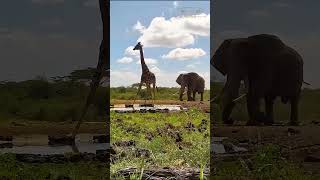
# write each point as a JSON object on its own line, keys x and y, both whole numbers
{"x": 138, "y": 46}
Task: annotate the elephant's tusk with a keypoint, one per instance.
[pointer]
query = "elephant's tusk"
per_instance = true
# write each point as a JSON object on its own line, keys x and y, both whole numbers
{"x": 215, "y": 99}
{"x": 306, "y": 83}
{"x": 238, "y": 98}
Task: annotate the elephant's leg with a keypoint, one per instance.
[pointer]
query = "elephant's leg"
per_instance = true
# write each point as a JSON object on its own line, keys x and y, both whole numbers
{"x": 202, "y": 96}
{"x": 294, "y": 111}
{"x": 269, "y": 110}
{"x": 189, "y": 94}
{"x": 181, "y": 92}
{"x": 227, "y": 112}
{"x": 194, "y": 95}
{"x": 253, "y": 110}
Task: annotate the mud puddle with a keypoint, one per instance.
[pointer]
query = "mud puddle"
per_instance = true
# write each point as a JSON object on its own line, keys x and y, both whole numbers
{"x": 221, "y": 145}
{"x": 123, "y": 108}
{"x": 39, "y": 144}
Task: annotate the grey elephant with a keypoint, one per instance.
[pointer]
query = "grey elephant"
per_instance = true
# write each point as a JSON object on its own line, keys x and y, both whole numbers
{"x": 269, "y": 69}
{"x": 194, "y": 84}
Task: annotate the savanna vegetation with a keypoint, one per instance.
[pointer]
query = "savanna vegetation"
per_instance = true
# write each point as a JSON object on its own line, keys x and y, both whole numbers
{"x": 11, "y": 168}
{"x": 51, "y": 99}
{"x": 162, "y": 93}
{"x": 267, "y": 163}
{"x": 158, "y": 140}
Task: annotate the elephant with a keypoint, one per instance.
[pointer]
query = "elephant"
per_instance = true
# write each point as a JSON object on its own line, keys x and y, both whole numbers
{"x": 194, "y": 84}
{"x": 269, "y": 69}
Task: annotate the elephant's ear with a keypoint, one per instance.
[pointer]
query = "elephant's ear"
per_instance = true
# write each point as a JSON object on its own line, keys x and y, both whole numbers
{"x": 179, "y": 79}
{"x": 219, "y": 58}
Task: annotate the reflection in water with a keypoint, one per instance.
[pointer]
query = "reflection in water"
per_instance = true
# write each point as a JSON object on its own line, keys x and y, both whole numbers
{"x": 38, "y": 144}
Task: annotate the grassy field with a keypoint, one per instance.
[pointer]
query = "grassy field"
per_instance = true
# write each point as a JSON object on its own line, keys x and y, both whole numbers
{"x": 10, "y": 168}
{"x": 266, "y": 163}
{"x": 163, "y": 93}
{"x": 174, "y": 140}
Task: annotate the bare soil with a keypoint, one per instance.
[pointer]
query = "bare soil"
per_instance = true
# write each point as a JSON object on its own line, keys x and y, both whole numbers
{"x": 50, "y": 128}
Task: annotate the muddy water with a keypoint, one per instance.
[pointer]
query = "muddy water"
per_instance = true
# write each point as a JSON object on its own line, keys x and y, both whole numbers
{"x": 38, "y": 144}
{"x": 218, "y": 148}
{"x": 137, "y": 107}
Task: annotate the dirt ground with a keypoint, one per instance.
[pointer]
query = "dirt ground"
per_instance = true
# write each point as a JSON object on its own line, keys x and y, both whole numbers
{"x": 50, "y": 128}
{"x": 300, "y": 144}
{"x": 204, "y": 105}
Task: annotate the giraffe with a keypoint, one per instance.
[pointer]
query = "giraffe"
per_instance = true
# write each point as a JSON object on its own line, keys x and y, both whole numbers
{"x": 147, "y": 76}
{"x": 103, "y": 63}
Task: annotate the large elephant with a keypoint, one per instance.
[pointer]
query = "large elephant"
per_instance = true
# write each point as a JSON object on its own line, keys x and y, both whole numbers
{"x": 194, "y": 84}
{"x": 269, "y": 69}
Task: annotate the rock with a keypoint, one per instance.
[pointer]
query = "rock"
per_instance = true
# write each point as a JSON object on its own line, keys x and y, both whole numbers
{"x": 60, "y": 140}
{"x": 312, "y": 158}
{"x": 101, "y": 139}
{"x": 149, "y": 136}
{"x": 190, "y": 126}
{"x": 292, "y": 131}
{"x": 6, "y": 145}
{"x": 6, "y": 138}
{"x": 125, "y": 143}
{"x": 142, "y": 153}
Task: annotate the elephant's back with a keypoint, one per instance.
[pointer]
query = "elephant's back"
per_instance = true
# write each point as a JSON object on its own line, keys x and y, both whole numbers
{"x": 288, "y": 72}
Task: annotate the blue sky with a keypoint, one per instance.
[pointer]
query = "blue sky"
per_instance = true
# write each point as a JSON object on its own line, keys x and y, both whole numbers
{"x": 175, "y": 35}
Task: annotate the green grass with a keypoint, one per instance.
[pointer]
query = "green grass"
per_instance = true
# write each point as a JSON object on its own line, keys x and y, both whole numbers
{"x": 164, "y": 150}
{"x": 267, "y": 163}
{"x": 163, "y": 93}
{"x": 10, "y": 168}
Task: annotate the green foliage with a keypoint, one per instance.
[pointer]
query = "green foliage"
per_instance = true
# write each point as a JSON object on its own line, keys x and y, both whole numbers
{"x": 165, "y": 151}
{"x": 40, "y": 99}
{"x": 10, "y": 168}
{"x": 162, "y": 93}
{"x": 267, "y": 163}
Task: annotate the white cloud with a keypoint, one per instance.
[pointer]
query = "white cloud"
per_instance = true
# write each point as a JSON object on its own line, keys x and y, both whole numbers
{"x": 139, "y": 27}
{"x": 91, "y": 3}
{"x": 148, "y": 61}
{"x": 259, "y": 13}
{"x": 132, "y": 53}
{"x": 47, "y": 2}
{"x": 125, "y": 60}
{"x": 174, "y": 32}
{"x": 123, "y": 78}
{"x": 175, "y": 4}
{"x": 191, "y": 66}
{"x": 281, "y": 4}
{"x": 155, "y": 69}
{"x": 181, "y": 54}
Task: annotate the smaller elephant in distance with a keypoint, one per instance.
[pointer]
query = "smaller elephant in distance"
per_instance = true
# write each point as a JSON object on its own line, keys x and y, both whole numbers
{"x": 194, "y": 84}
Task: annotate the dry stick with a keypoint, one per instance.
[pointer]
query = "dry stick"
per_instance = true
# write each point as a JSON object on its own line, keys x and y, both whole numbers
{"x": 100, "y": 67}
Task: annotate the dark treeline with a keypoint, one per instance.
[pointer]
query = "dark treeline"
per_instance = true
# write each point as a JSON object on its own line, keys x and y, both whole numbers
{"x": 53, "y": 99}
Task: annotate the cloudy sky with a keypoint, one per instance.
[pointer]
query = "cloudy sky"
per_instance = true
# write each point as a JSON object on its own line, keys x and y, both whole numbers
{"x": 294, "y": 21}
{"x": 175, "y": 35}
{"x": 47, "y": 37}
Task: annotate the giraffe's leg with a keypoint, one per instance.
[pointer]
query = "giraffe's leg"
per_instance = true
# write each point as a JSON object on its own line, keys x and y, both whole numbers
{"x": 154, "y": 92}
{"x": 137, "y": 92}
{"x": 149, "y": 90}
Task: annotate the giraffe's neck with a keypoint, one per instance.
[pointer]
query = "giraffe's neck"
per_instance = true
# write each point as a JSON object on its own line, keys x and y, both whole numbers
{"x": 143, "y": 63}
